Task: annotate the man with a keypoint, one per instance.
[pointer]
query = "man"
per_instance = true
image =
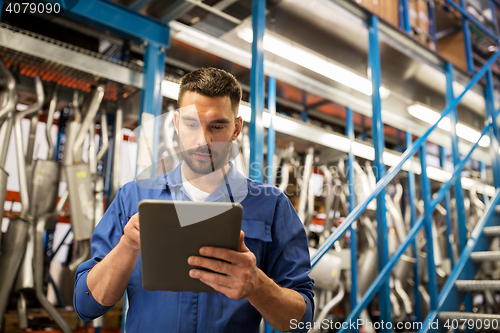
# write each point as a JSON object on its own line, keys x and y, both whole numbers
{"x": 267, "y": 277}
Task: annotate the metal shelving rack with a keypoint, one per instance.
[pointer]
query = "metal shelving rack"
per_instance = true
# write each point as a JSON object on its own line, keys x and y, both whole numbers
{"x": 156, "y": 34}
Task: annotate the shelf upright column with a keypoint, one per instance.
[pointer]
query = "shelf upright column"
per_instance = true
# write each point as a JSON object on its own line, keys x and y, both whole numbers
{"x": 467, "y": 39}
{"x": 257, "y": 91}
{"x": 447, "y": 206}
{"x": 413, "y": 218}
{"x": 352, "y": 203}
{"x": 425, "y": 186}
{"x": 151, "y": 108}
{"x": 404, "y": 16}
{"x": 271, "y": 135}
{"x": 494, "y": 145}
{"x": 378, "y": 164}
{"x": 459, "y": 192}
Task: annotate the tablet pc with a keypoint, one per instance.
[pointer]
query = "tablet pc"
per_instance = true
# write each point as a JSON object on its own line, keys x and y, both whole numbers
{"x": 172, "y": 231}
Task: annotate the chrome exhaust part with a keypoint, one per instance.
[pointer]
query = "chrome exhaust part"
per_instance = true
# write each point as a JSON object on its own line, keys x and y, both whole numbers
{"x": 87, "y": 121}
{"x": 38, "y": 272}
{"x": 117, "y": 152}
{"x": 10, "y": 105}
{"x": 13, "y": 247}
{"x": 303, "y": 196}
{"x": 25, "y": 279}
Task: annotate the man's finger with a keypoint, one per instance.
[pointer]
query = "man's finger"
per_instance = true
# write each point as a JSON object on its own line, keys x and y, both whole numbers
{"x": 214, "y": 278}
{"x": 220, "y": 253}
{"x": 243, "y": 247}
{"x": 212, "y": 264}
{"x": 222, "y": 289}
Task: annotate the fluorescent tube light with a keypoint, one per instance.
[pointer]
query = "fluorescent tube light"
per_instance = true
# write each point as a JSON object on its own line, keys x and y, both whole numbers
{"x": 314, "y": 62}
{"x": 430, "y": 116}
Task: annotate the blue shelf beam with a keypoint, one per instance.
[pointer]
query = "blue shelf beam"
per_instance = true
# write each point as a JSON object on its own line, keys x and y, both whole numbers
{"x": 271, "y": 134}
{"x": 430, "y": 202}
{"x": 378, "y": 163}
{"x": 462, "y": 8}
{"x": 121, "y": 20}
{"x": 257, "y": 91}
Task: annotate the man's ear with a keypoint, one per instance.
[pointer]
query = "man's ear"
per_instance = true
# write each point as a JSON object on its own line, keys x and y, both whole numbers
{"x": 176, "y": 121}
{"x": 238, "y": 127}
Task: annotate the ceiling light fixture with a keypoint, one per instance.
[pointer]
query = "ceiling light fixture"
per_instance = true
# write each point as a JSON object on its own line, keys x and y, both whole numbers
{"x": 430, "y": 116}
{"x": 315, "y": 63}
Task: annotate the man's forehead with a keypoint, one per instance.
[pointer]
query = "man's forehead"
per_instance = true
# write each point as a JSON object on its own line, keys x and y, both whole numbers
{"x": 191, "y": 112}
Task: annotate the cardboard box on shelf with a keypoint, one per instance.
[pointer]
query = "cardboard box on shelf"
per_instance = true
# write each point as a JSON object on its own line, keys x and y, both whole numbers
{"x": 389, "y": 11}
{"x": 452, "y": 48}
{"x": 413, "y": 13}
{"x": 368, "y": 4}
{"x": 385, "y": 9}
{"x": 423, "y": 16}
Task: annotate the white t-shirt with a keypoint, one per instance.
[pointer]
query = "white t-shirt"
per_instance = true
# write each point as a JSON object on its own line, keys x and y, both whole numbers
{"x": 195, "y": 193}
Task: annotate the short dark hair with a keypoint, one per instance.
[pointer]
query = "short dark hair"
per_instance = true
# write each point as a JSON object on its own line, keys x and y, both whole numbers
{"x": 212, "y": 82}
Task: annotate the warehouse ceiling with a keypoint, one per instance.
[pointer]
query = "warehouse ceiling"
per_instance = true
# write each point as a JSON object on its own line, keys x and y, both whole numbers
{"x": 318, "y": 25}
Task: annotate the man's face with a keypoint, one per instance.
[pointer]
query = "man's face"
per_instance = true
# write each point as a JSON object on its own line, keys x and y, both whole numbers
{"x": 206, "y": 127}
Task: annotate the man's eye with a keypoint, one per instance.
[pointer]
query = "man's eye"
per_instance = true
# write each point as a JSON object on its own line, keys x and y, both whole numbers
{"x": 218, "y": 127}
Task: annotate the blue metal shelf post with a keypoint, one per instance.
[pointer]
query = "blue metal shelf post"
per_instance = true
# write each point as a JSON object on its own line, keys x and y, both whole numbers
{"x": 404, "y": 16}
{"x": 352, "y": 203}
{"x": 413, "y": 218}
{"x": 271, "y": 135}
{"x": 429, "y": 244}
{"x": 459, "y": 192}
{"x": 467, "y": 40}
{"x": 447, "y": 206}
{"x": 152, "y": 99}
{"x": 257, "y": 90}
{"x": 378, "y": 163}
{"x": 490, "y": 111}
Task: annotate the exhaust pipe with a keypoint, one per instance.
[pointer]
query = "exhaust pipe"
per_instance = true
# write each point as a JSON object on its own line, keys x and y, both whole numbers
{"x": 12, "y": 255}
{"x": 117, "y": 151}
{"x": 89, "y": 117}
{"x": 11, "y": 91}
{"x": 38, "y": 272}
{"x": 25, "y": 279}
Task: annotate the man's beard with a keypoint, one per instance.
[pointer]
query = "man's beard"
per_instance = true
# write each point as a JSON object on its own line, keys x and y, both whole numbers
{"x": 219, "y": 154}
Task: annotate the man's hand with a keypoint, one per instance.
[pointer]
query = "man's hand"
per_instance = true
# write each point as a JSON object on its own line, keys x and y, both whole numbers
{"x": 242, "y": 276}
{"x": 108, "y": 279}
{"x": 131, "y": 235}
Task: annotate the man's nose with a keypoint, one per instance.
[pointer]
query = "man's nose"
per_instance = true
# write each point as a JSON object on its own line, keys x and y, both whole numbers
{"x": 202, "y": 137}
